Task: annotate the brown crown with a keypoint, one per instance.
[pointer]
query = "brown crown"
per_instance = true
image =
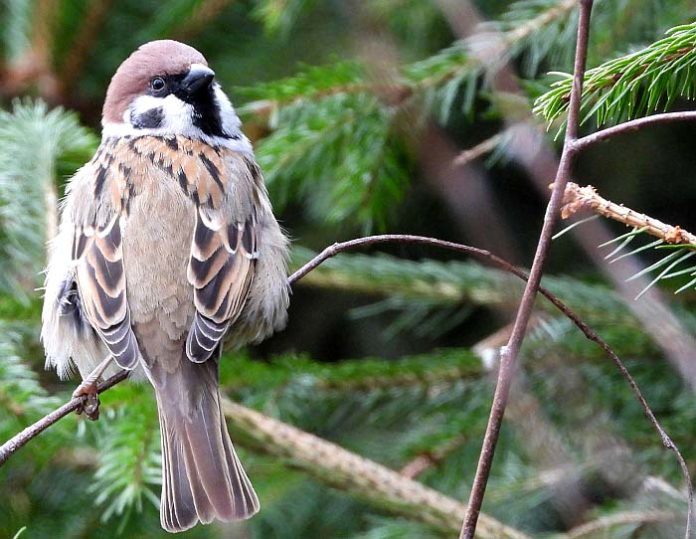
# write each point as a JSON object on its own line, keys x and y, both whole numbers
{"x": 132, "y": 78}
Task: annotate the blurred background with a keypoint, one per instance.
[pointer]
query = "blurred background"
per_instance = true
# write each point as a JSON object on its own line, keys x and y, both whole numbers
{"x": 400, "y": 116}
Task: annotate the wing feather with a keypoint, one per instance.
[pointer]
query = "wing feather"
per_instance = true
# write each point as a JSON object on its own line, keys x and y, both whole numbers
{"x": 221, "y": 269}
{"x": 102, "y": 285}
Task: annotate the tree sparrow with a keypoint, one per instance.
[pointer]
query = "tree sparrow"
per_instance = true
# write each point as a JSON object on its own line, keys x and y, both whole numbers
{"x": 167, "y": 245}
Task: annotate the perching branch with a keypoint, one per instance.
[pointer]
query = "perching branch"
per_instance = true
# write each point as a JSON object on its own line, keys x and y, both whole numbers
{"x": 347, "y": 471}
{"x": 21, "y": 439}
{"x": 18, "y": 441}
{"x": 578, "y": 198}
{"x": 510, "y": 352}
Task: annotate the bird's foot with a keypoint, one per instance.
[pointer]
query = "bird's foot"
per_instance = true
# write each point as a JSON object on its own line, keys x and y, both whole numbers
{"x": 90, "y": 403}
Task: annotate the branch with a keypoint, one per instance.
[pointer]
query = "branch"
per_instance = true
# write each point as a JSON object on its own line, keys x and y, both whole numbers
{"x": 603, "y": 524}
{"x": 474, "y": 56}
{"x": 631, "y": 85}
{"x": 510, "y": 352}
{"x": 18, "y": 441}
{"x": 633, "y": 125}
{"x": 482, "y": 148}
{"x": 347, "y": 471}
{"x": 578, "y": 198}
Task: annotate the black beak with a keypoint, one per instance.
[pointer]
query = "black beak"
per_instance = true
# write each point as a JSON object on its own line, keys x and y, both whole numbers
{"x": 198, "y": 78}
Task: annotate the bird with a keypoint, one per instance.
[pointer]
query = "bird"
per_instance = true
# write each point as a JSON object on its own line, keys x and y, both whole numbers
{"x": 168, "y": 247}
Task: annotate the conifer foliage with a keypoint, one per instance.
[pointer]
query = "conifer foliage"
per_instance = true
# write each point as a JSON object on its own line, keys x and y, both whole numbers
{"x": 388, "y": 353}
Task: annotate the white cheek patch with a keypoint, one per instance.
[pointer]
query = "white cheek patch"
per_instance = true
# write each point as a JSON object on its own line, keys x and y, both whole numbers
{"x": 167, "y": 116}
{"x": 175, "y": 115}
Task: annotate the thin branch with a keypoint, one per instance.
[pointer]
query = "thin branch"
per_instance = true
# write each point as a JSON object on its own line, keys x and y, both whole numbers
{"x": 538, "y": 23}
{"x": 603, "y": 524}
{"x": 364, "y": 478}
{"x": 482, "y": 148}
{"x": 633, "y": 125}
{"x": 20, "y": 440}
{"x": 510, "y": 352}
{"x": 31, "y": 432}
{"x": 578, "y": 198}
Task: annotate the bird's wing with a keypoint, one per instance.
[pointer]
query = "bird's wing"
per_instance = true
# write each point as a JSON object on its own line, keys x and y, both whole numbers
{"x": 224, "y": 250}
{"x": 97, "y": 253}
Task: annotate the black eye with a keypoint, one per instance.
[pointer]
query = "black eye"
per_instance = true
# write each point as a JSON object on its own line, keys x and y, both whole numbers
{"x": 158, "y": 84}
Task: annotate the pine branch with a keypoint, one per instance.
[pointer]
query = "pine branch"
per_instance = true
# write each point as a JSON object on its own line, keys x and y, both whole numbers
{"x": 129, "y": 466}
{"x": 444, "y": 72}
{"x": 279, "y": 16}
{"x": 604, "y": 524}
{"x": 481, "y": 149}
{"x": 632, "y": 85}
{"x": 578, "y": 198}
{"x": 27, "y": 184}
{"x": 351, "y": 376}
{"x": 10, "y": 447}
{"x": 428, "y": 296}
{"x": 346, "y": 471}
{"x": 681, "y": 244}
{"x": 20, "y": 440}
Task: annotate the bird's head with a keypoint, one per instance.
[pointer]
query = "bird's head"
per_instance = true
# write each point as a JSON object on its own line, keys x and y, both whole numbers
{"x": 167, "y": 88}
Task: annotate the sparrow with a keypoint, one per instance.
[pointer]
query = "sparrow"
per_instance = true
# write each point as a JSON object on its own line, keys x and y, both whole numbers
{"x": 167, "y": 246}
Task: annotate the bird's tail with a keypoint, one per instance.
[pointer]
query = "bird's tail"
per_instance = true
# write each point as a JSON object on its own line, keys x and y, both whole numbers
{"x": 202, "y": 477}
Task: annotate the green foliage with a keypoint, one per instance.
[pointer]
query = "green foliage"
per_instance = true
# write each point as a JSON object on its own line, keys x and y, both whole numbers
{"x": 129, "y": 470}
{"x": 435, "y": 296}
{"x": 337, "y": 136}
{"x": 633, "y": 85}
{"x": 667, "y": 268}
{"x": 36, "y": 143}
{"x": 310, "y": 157}
{"x": 279, "y": 16}
{"x": 20, "y": 392}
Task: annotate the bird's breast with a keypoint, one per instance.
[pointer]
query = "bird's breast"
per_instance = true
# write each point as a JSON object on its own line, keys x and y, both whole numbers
{"x": 157, "y": 232}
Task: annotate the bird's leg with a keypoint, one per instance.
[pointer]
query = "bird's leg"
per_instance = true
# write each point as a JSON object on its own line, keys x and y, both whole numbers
{"x": 88, "y": 389}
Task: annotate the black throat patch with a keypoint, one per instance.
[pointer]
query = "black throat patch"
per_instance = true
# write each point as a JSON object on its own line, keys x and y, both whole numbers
{"x": 206, "y": 113}
{"x": 206, "y": 109}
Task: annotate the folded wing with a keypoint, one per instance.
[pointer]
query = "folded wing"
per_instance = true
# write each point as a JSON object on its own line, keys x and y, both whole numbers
{"x": 98, "y": 253}
{"x": 221, "y": 269}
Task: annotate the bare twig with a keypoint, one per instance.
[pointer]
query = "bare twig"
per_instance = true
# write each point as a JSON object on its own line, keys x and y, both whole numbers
{"x": 25, "y": 436}
{"x": 510, "y": 352}
{"x": 578, "y": 198}
{"x": 628, "y": 517}
{"x": 482, "y": 148}
{"x": 633, "y": 125}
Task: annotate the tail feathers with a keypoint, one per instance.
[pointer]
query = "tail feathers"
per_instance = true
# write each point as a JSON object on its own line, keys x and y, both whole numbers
{"x": 202, "y": 477}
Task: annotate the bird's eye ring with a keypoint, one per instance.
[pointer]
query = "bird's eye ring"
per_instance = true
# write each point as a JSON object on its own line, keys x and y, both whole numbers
{"x": 157, "y": 84}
